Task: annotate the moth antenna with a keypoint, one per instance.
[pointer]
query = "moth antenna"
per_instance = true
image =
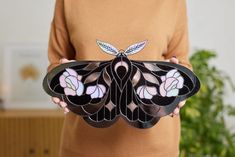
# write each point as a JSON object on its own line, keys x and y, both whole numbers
{"x": 107, "y": 47}
{"x": 134, "y": 48}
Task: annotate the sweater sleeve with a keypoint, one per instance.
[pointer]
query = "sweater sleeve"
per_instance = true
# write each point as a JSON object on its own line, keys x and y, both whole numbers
{"x": 59, "y": 45}
{"x": 178, "y": 45}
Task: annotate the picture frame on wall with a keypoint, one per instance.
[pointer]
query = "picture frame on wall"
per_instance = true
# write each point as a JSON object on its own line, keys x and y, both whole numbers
{"x": 24, "y": 67}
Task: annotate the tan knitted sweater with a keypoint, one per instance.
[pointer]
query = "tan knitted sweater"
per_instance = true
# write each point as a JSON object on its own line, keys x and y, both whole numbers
{"x": 74, "y": 29}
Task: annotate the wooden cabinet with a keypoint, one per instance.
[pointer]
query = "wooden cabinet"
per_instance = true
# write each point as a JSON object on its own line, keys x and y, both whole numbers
{"x": 30, "y": 133}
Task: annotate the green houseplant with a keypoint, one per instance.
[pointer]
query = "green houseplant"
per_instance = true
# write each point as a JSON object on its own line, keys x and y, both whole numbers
{"x": 204, "y": 132}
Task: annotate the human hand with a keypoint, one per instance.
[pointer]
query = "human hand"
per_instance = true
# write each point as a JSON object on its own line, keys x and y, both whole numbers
{"x": 182, "y": 103}
{"x": 56, "y": 100}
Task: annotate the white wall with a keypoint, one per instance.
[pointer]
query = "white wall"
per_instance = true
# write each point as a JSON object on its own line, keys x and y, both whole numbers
{"x": 211, "y": 25}
{"x": 24, "y": 22}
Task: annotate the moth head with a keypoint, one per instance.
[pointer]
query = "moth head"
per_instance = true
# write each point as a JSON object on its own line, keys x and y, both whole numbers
{"x": 121, "y": 53}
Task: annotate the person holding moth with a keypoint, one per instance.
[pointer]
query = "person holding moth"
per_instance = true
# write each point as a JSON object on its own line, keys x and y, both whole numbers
{"x": 76, "y": 25}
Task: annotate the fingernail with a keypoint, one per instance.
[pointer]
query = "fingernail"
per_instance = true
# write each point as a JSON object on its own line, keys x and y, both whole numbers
{"x": 63, "y": 104}
{"x": 56, "y": 100}
{"x": 177, "y": 110}
{"x": 66, "y": 110}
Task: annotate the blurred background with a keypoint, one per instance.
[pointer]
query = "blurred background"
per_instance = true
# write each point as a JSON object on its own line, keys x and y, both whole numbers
{"x": 208, "y": 120}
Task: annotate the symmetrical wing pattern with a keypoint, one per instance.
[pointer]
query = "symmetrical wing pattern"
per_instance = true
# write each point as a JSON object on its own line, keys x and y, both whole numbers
{"x": 141, "y": 92}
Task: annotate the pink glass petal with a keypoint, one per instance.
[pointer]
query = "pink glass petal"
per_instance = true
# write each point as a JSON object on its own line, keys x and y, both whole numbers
{"x": 90, "y": 89}
{"x": 162, "y": 90}
{"x": 71, "y": 72}
{"x": 69, "y": 91}
{"x": 95, "y": 94}
{"x": 173, "y": 92}
{"x": 180, "y": 84}
{"x": 152, "y": 90}
{"x": 80, "y": 88}
{"x": 139, "y": 89}
{"x": 62, "y": 81}
{"x": 147, "y": 95}
{"x": 141, "y": 92}
{"x": 173, "y": 85}
{"x": 170, "y": 82}
{"x": 72, "y": 81}
{"x": 163, "y": 78}
{"x": 101, "y": 94}
{"x": 177, "y": 74}
{"x": 65, "y": 73}
{"x": 171, "y": 73}
{"x": 102, "y": 87}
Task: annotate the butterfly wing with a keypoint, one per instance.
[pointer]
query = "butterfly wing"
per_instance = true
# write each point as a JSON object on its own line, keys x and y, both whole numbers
{"x": 91, "y": 89}
{"x": 71, "y": 81}
{"x": 97, "y": 102}
{"x": 166, "y": 70}
{"x": 160, "y": 86}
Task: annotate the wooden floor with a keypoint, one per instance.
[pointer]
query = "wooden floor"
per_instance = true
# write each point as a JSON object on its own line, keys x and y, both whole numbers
{"x": 30, "y": 133}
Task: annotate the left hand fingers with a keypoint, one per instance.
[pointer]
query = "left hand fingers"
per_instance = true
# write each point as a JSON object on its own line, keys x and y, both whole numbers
{"x": 175, "y": 112}
{"x": 182, "y": 103}
{"x": 174, "y": 60}
{"x": 177, "y": 109}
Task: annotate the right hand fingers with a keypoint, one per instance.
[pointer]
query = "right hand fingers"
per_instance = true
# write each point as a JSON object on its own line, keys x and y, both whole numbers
{"x": 62, "y": 104}
{"x": 64, "y": 60}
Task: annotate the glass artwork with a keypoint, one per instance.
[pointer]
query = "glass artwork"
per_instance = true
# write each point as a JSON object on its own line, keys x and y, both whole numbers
{"x": 141, "y": 92}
